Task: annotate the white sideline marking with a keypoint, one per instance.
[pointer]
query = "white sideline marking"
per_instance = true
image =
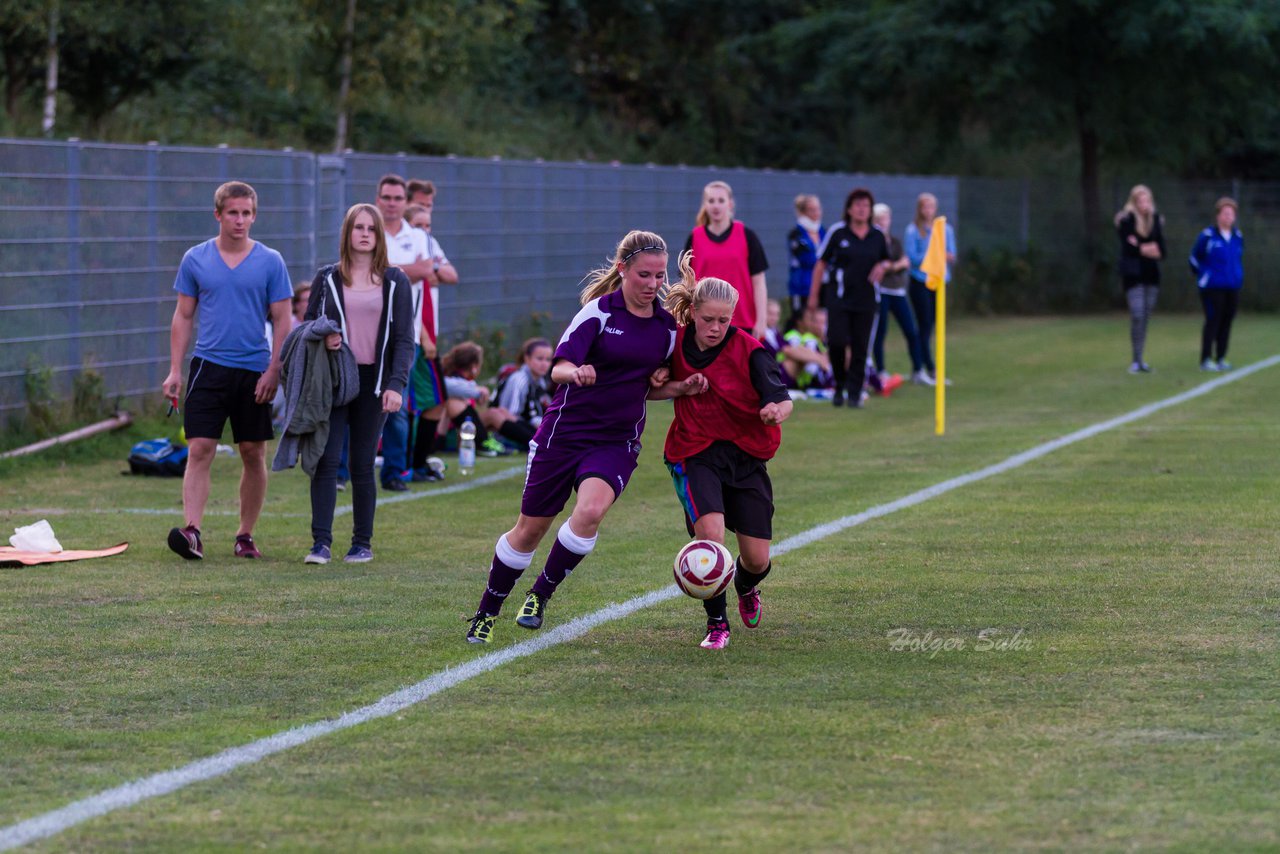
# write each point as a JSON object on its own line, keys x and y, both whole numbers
{"x": 163, "y": 783}
{"x": 505, "y": 474}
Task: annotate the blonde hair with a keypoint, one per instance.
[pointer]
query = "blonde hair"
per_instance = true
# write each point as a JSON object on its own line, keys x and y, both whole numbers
{"x": 703, "y": 217}
{"x": 684, "y": 296}
{"x": 608, "y": 279}
{"x": 1142, "y": 223}
{"x": 1225, "y": 202}
{"x": 802, "y": 202}
{"x": 920, "y": 200}
{"x": 234, "y": 190}
{"x": 379, "y": 264}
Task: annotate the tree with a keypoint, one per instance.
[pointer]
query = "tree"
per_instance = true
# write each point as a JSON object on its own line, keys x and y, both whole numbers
{"x": 23, "y": 32}
{"x": 114, "y": 50}
{"x": 1163, "y": 80}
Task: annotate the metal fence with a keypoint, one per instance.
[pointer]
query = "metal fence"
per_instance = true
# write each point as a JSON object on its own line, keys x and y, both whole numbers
{"x": 91, "y": 235}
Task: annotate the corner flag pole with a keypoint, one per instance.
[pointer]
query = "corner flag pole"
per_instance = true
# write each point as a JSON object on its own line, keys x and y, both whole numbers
{"x": 934, "y": 267}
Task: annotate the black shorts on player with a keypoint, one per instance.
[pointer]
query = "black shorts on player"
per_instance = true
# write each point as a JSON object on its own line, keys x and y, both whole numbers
{"x": 216, "y": 393}
{"x": 725, "y": 479}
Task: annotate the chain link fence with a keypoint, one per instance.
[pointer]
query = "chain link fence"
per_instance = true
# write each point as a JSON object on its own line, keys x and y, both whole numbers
{"x": 91, "y": 235}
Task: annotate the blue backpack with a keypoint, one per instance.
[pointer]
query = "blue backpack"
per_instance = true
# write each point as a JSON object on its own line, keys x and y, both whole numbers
{"x": 159, "y": 457}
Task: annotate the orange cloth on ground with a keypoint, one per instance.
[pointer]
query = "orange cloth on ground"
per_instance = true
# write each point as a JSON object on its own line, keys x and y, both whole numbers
{"x": 10, "y": 555}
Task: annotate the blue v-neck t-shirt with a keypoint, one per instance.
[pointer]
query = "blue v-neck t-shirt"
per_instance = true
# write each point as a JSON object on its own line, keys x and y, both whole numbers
{"x": 233, "y": 305}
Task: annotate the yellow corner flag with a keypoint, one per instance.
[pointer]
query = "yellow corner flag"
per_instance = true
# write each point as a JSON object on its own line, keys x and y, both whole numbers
{"x": 934, "y": 266}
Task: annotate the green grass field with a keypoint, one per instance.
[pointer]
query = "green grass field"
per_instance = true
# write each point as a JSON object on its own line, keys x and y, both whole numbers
{"x": 1137, "y": 708}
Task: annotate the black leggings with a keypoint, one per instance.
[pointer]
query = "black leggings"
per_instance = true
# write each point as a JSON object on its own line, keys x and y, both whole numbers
{"x": 1220, "y": 306}
{"x": 849, "y": 330}
{"x": 924, "y": 303}
{"x": 365, "y": 417}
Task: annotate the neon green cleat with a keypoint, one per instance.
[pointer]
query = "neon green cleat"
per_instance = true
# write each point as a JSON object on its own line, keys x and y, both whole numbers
{"x": 481, "y": 630}
{"x": 530, "y": 616}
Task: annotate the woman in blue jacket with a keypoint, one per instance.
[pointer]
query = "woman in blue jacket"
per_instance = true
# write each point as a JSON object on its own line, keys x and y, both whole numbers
{"x": 802, "y": 244}
{"x": 1217, "y": 260}
{"x": 924, "y": 301}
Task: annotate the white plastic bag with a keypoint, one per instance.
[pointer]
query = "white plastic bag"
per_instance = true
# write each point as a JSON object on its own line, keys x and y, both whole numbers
{"x": 35, "y": 538}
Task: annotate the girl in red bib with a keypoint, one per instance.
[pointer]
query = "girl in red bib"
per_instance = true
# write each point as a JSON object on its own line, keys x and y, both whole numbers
{"x": 724, "y": 248}
{"x": 720, "y": 440}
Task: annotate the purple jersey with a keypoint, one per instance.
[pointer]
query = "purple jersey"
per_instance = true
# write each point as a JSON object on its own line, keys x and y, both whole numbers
{"x": 625, "y": 350}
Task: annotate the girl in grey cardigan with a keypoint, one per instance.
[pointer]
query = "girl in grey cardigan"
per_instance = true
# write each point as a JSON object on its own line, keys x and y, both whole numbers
{"x": 371, "y": 302}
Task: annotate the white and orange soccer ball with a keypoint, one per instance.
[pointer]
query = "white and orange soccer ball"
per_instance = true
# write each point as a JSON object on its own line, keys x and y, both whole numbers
{"x": 704, "y": 569}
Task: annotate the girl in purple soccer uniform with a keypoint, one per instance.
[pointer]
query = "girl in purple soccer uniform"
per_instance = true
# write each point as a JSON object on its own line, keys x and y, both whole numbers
{"x": 609, "y": 361}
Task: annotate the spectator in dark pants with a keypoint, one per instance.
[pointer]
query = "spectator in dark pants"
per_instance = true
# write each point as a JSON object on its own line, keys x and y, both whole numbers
{"x": 857, "y": 255}
{"x": 924, "y": 301}
{"x": 373, "y": 303}
{"x": 893, "y": 300}
{"x": 1141, "y": 231}
{"x": 1217, "y": 260}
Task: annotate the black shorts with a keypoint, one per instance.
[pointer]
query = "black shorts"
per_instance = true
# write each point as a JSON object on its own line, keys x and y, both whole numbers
{"x": 725, "y": 479}
{"x": 216, "y": 393}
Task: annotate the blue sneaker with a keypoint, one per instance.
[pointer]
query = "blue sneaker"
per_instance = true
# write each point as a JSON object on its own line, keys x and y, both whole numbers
{"x": 318, "y": 554}
{"x": 359, "y": 554}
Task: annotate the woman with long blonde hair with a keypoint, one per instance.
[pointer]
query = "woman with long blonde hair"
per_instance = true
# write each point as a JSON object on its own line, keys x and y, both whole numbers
{"x": 372, "y": 303}
{"x": 915, "y": 240}
{"x": 724, "y": 248}
{"x": 720, "y": 441}
{"x": 1140, "y": 228}
{"x": 803, "y": 241}
{"x": 608, "y": 362}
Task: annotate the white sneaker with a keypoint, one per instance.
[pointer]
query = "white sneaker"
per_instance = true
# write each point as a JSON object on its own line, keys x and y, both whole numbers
{"x": 1208, "y": 365}
{"x": 1135, "y": 368}
{"x": 922, "y": 378}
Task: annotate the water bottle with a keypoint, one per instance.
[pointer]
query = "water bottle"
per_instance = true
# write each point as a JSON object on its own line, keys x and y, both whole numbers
{"x": 467, "y": 446}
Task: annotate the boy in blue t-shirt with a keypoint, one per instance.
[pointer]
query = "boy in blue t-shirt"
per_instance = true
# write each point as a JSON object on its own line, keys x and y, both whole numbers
{"x": 238, "y": 284}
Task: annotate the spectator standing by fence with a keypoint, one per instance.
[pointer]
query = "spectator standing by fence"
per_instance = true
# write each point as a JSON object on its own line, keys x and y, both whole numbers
{"x": 726, "y": 249}
{"x": 427, "y": 393}
{"x": 371, "y": 301}
{"x": 856, "y": 254}
{"x": 1217, "y": 259}
{"x": 237, "y": 284}
{"x": 924, "y": 301}
{"x": 802, "y": 243}
{"x": 1140, "y": 228}
{"x": 407, "y": 249}
{"x": 893, "y": 300}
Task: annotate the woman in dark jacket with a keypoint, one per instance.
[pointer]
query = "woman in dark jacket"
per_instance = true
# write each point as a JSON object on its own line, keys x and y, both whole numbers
{"x": 1140, "y": 229}
{"x": 371, "y": 301}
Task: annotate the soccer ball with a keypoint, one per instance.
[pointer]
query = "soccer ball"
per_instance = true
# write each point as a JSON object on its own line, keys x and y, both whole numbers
{"x": 704, "y": 569}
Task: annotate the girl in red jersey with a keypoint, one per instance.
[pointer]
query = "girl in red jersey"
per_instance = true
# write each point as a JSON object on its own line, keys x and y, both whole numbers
{"x": 724, "y": 248}
{"x": 720, "y": 440}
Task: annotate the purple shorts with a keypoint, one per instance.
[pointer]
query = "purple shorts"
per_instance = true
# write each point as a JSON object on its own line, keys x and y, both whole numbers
{"x": 554, "y": 473}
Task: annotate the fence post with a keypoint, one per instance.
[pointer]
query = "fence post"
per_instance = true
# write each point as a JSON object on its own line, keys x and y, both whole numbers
{"x": 153, "y": 238}
{"x": 74, "y": 261}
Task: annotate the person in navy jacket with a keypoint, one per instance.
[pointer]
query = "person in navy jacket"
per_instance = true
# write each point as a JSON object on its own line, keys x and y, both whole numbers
{"x": 1217, "y": 260}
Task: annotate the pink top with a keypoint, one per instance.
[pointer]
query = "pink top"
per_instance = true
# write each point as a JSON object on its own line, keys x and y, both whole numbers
{"x": 364, "y": 312}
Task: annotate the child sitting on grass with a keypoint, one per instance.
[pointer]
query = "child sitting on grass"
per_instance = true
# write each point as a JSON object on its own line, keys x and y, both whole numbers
{"x": 466, "y": 398}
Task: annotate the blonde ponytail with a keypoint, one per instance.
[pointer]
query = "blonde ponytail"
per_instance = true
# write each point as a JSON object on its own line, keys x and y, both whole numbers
{"x": 684, "y": 296}
{"x": 608, "y": 279}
